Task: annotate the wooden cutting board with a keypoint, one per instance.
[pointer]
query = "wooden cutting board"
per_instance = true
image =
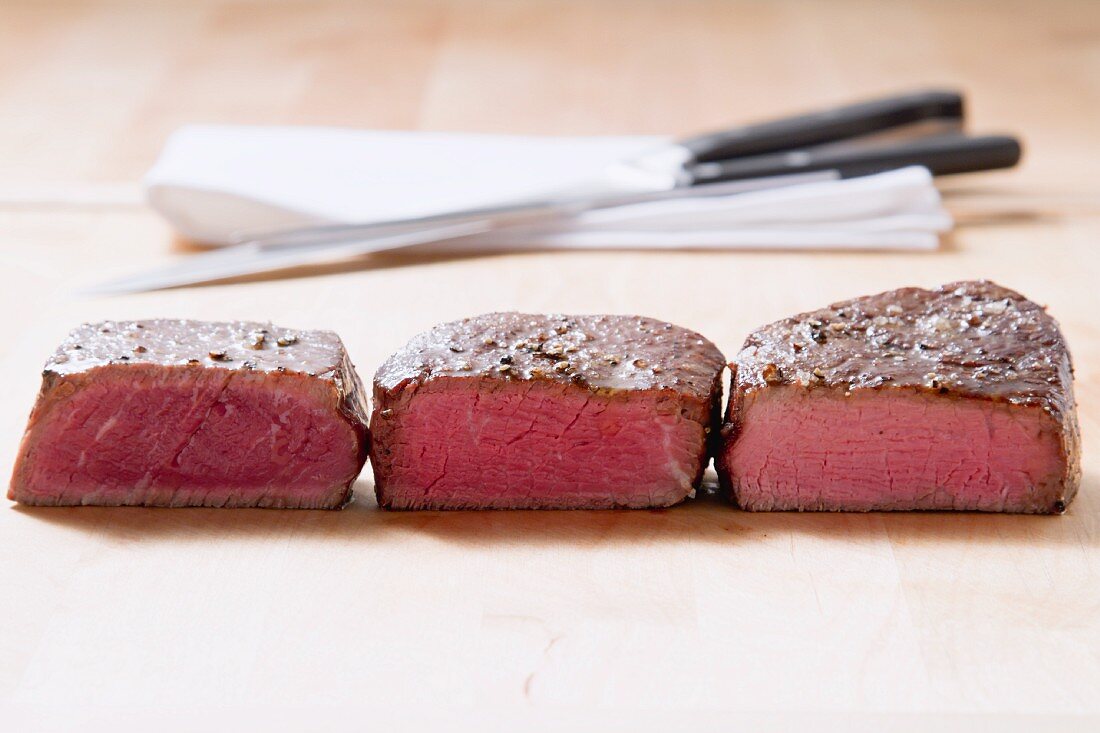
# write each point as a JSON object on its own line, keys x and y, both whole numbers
{"x": 635, "y": 619}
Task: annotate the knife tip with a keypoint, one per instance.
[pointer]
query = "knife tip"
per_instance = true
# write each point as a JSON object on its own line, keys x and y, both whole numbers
{"x": 106, "y": 289}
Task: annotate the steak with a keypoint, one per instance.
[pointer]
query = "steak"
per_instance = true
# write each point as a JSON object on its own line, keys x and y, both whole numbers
{"x": 519, "y": 411}
{"x": 954, "y": 398}
{"x": 187, "y": 413}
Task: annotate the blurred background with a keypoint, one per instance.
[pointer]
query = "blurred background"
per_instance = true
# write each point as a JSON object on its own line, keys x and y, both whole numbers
{"x": 91, "y": 89}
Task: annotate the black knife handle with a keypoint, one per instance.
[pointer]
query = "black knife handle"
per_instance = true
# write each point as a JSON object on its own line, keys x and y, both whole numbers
{"x": 942, "y": 155}
{"x": 840, "y": 123}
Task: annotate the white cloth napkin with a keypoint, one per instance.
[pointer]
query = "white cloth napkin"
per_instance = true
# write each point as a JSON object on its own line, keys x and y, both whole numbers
{"x": 213, "y": 182}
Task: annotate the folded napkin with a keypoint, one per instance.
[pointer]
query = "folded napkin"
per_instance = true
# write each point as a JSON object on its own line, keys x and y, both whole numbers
{"x": 214, "y": 183}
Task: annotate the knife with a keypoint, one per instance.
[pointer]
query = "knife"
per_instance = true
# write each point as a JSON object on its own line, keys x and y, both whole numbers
{"x": 320, "y": 245}
{"x": 752, "y": 156}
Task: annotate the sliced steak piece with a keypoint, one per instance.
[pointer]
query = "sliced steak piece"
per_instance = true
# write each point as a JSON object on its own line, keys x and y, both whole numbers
{"x": 954, "y": 398}
{"x": 186, "y": 413}
{"x": 518, "y": 411}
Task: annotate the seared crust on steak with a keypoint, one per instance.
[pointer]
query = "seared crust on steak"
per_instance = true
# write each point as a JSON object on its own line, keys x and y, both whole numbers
{"x": 972, "y": 338}
{"x": 598, "y": 352}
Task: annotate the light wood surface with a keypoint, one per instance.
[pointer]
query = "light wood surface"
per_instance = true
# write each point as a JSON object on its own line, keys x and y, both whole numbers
{"x": 639, "y": 619}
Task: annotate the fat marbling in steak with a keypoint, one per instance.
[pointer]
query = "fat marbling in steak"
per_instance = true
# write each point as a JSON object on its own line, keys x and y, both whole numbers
{"x": 520, "y": 411}
{"x": 955, "y": 398}
{"x": 188, "y": 413}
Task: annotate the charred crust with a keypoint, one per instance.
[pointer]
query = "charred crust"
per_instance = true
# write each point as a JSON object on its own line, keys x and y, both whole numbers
{"x": 597, "y": 352}
{"x": 232, "y": 345}
{"x": 969, "y": 339}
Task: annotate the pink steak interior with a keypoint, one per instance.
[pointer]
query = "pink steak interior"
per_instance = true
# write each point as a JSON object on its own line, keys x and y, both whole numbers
{"x": 537, "y": 447}
{"x": 814, "y": 449}
{"x": 209, "y": 438}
